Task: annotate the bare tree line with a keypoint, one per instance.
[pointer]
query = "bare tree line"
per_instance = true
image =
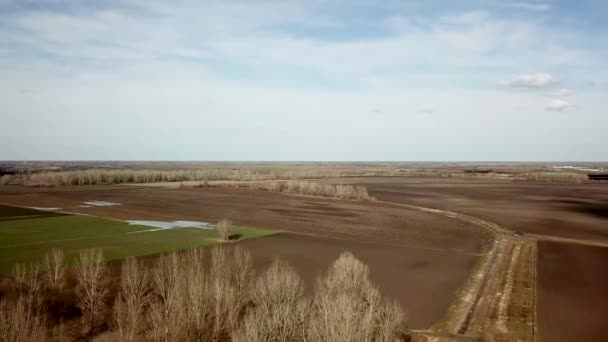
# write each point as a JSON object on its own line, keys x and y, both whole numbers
{"x": 201, "y": 295}
{"x": 567, "y": 177}
{"x": 309, "y": 188}
{"x": 353, "y": 192}
{"x": 5, "y": 179}
{"x": 120, "y": 176}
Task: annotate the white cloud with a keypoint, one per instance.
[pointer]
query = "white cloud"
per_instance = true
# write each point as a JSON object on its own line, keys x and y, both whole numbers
{"x": 164, "y": 64}
{"x": 563, "y": 92}
{"x": 559, "y": 105}
{"x": 528, "y": 6}
{"x": 428, "y": 110}
{"x": 532, "y": 81}
{"x": 258, "y": 38}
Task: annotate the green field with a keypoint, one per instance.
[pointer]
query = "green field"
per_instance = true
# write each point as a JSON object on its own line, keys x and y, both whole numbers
{"x": 27, "y": 234}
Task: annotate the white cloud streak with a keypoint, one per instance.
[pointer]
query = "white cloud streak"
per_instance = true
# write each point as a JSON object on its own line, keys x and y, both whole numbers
{"x": 427, "y": 110}
{"x": 559, "y": 105}
{"x": 563, "y": 92}
{"x": 530, "y": 6}
{"x": 532, "y": 81}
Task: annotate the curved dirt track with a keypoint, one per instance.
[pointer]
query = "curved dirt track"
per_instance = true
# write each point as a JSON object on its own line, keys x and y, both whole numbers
{"x": 463, "y": 310}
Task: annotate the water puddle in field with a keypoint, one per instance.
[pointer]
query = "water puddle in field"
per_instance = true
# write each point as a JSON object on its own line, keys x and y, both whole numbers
{"x": 45, "y": 209}
{"x": 163, "y": 225}
{"x": 100, "y": 203}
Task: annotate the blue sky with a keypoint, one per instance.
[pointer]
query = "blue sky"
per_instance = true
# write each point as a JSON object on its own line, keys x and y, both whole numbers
{"x": 314, "y": 80}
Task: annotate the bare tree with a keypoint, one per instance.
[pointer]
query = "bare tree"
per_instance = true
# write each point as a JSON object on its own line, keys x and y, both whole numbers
{"x": 132, "y": 298}
{"x": 347, "y": 307}
{"x": 224, "y": 227}
{"x": 197, "y": 308}
{"x": 243, "y": 276}
{"x": 91, "y": 275}
{"x": 280, "y": 310}
{"x": 221, "y": 292}
{"x": 54, "y": 268}
{"x": 27, "y": 280}
{"x": 166, "y": 309}
{"x": 21, "y": 321}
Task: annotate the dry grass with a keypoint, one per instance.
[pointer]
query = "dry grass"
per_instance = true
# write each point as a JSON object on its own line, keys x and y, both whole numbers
{"x": 497, "y": 335}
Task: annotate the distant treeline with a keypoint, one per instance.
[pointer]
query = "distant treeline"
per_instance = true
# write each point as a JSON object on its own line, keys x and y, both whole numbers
{"x": 100, "y": 176}
{"x": 123, "y": 176}
{"x": 95, "y": 177}
{"x": 340, "y": 191}
{"x": 566, "y": 177}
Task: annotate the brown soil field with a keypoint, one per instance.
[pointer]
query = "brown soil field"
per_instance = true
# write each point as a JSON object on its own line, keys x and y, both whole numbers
{"x": 573, "y": 301}
{"x": 421, "y": 259}
{"x": 572, "y": 296}
{"x": 424, "y": 283}
{"x": 578, "y": 211}
{"x": 339, "y": 219}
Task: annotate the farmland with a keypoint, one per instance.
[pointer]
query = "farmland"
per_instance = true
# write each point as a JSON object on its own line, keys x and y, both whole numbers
{"x": 27, "y": 234}
{"x": 442, "y": 248}
{"x": 572, "y": 292}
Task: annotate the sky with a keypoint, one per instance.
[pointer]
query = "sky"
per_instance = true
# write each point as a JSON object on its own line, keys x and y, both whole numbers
{"x": 314, "y": 80}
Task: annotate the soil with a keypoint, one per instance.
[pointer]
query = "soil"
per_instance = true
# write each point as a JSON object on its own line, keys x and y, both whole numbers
{"x": 572, "y": 296}
{"x": 424, "y": 282}
{"x": 577, "y": 211}
{"x": 420, "y": 259}
{"x": 338, "y": 219}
